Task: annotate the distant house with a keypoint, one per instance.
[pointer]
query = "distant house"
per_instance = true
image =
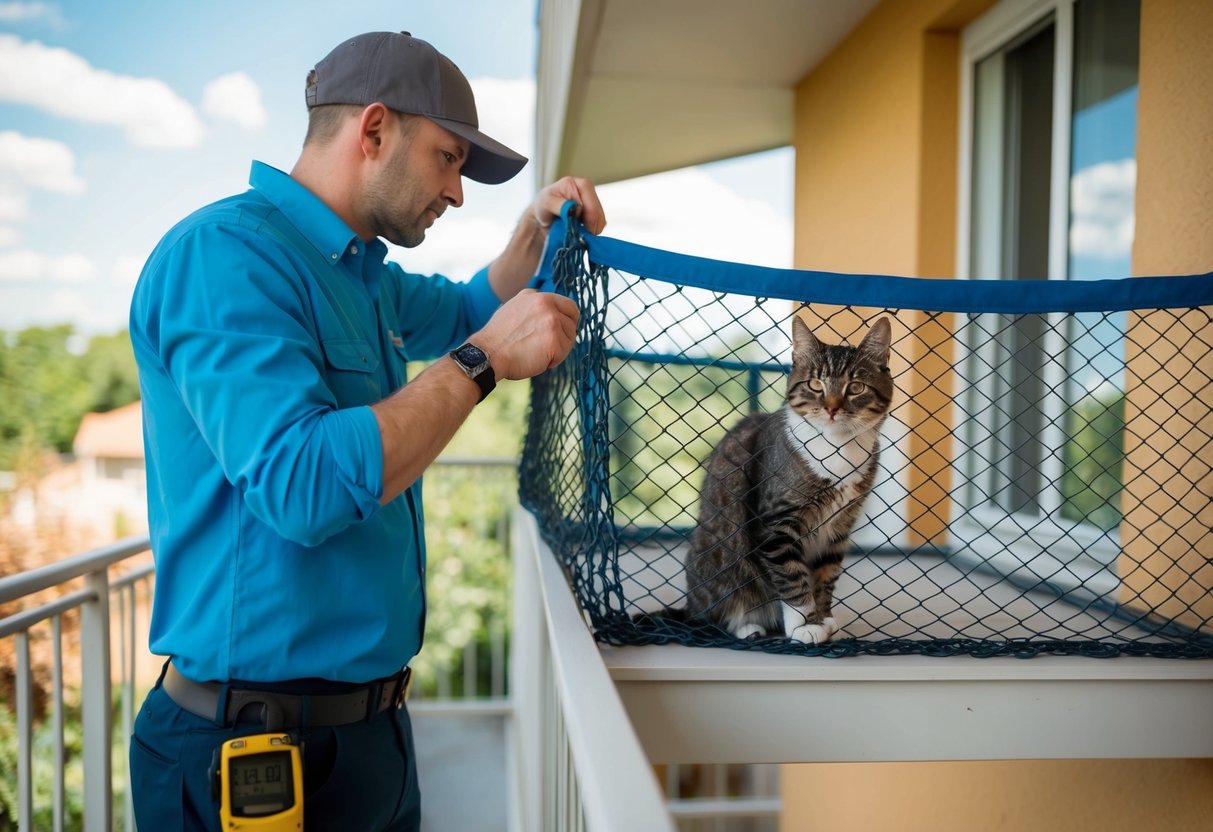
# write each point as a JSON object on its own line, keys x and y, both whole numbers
{"x": 113, "y": 483}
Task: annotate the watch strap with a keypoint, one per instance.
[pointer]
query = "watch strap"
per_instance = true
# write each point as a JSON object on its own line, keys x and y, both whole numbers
{"x": 487, "y": 381}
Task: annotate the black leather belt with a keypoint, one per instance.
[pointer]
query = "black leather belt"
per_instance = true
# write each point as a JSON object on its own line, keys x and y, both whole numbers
{"x": 286, "y": 710}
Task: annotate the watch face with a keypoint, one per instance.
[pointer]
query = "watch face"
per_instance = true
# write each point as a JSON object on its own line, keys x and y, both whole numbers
{"x": 471, "y": 355}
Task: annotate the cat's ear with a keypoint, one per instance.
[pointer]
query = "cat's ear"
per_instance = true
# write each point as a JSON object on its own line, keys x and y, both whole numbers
{"x": 804, "y": 342}
{"x": 877, "y": 342}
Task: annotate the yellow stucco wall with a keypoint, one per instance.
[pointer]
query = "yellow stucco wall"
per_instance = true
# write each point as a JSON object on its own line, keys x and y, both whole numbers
{"x": 876, "y": 167}
{"x": 1041, "y": 796}
{"x": 1168, "y": 497}
{"x": 876, "y": 137}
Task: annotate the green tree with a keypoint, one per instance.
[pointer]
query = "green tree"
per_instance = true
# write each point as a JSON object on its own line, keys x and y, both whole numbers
{"x": 47, "y": 385}
{"x": 1094, "y": 459}
{"x": 108, "y": 366}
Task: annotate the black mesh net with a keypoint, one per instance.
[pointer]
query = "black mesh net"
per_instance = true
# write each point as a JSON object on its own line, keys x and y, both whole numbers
{"x": 1044, "y": 483}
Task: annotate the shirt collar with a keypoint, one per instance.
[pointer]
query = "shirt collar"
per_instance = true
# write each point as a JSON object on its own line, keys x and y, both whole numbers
{"x": 304, "y": 210}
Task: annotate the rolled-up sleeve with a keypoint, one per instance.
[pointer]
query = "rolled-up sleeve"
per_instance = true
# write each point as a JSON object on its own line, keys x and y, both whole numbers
{"x": 229, "y": 325}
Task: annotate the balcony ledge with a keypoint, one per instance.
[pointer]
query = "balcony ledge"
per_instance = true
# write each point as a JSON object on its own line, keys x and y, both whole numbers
{"x": 719, "y": 705}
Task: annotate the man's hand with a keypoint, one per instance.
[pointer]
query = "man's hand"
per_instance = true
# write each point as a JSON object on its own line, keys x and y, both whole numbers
{"x": 530, "y": 333}
{"x": 547, "y": 203}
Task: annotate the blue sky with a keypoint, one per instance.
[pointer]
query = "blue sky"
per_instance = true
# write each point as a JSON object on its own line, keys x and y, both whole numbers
{"x": 117, "y": 119}
{"x": 1104, "y": 150}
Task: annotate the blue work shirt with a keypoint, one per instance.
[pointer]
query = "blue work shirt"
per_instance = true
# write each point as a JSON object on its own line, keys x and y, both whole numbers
{"x": 263, "y": 328}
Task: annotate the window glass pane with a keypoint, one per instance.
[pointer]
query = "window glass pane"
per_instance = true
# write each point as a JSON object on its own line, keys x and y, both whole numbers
{"x": 1028, "y": 160}
{"x": 986, "y": 235}
{"x": 1013, "y": 151}
{"x": 1012, "y": 158}
{"x": 1103, "y": 138}
{"x": 1103, "y": 174}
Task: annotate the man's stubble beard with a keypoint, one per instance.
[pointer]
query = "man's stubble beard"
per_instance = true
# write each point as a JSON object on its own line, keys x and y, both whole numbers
{"x": 391, "y": 218}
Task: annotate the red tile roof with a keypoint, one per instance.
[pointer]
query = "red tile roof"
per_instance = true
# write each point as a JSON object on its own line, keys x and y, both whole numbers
{"x": 116, "y": 434}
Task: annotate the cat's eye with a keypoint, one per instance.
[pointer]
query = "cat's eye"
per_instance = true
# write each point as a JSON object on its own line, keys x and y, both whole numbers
{"x": 815, "y": 385}
{"x": 855, "y": 388}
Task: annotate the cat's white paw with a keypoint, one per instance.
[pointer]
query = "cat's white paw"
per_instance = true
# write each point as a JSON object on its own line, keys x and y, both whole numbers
{"x": 831, "y": 625}
{"x": 745, "y": 631}
{"x": 814, "y": 633}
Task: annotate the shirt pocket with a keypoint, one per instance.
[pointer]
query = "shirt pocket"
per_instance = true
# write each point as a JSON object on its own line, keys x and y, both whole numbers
{"x": 352, "y": 371}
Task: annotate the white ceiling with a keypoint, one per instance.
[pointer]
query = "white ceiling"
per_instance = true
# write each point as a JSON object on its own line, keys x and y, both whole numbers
{"x": 653, "y": 85}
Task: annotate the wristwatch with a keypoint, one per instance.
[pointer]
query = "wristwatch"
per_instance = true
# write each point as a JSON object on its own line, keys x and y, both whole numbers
{"x": 473, "y": 361}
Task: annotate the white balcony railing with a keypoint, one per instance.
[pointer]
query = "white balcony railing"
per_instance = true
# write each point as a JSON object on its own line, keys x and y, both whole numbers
{"x": 93, "y": 601}
{"x": 579, "y": 763}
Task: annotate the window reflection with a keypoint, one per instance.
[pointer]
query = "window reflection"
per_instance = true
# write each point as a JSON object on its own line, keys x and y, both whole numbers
{"x": 1103, "y": 177}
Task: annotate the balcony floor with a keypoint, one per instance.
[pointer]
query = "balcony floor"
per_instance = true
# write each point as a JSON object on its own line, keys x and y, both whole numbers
{"x": 883, "y": 596}
{"x": 462, "y": 766}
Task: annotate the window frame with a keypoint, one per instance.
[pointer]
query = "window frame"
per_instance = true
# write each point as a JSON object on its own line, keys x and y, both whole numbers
{"x": 1080, "y": 553}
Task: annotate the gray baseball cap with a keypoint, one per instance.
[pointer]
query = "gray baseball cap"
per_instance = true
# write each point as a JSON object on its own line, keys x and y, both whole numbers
{"x": 409, "y": 75}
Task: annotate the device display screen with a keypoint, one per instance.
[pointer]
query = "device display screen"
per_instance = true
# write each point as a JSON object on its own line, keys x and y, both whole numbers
{"x": 261, "y": 784}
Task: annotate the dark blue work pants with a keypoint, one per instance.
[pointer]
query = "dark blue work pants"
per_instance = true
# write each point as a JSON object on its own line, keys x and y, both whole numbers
{"x": 356, "y": 777}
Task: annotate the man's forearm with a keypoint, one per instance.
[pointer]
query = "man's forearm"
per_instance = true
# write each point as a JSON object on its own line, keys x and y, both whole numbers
{"x": 418, "y": 420}
{"x": 514, "y": 267}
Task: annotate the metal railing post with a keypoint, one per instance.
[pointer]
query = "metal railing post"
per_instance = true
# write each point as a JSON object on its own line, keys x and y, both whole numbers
{"x": 753, "y": 390}
{"x": 526, "y": 686}
{"x": 25, "y": 733}
{"x": 60, "y": 791}
{"x": 128, "y": 696}
{"x": 96, "y": 705}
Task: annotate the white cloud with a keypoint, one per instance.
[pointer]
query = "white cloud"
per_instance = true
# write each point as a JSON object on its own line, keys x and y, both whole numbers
{"x": 66, "y": 85}
{"x": 38, "y": 163}
{"x": 690, "y": 212}
{"x": 9, "y": 236}
{"x": 506, "y": 110}
{"x": 70, "y": 268}
{"x": 1101, "y": 207}
{"x": 14, "y": 203}
{"x": 235, "y": 97}
{"x": 21, "y": 12}
{"x": 25, "y": 266}
{"x": 69, "y": 305}
{"x": 126, "y": 269}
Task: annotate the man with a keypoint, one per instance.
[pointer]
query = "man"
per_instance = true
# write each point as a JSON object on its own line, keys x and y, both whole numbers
{"x": 284, "y": 447}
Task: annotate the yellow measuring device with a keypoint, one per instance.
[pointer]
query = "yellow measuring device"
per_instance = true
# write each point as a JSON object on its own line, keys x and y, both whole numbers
{"x": 260, "y": 784}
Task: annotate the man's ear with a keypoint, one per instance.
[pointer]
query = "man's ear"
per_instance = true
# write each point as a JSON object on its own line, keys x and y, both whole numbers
{"x": 373, "y": 125}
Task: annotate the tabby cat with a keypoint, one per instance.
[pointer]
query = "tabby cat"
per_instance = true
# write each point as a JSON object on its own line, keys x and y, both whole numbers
{"x": 783, "y": 490}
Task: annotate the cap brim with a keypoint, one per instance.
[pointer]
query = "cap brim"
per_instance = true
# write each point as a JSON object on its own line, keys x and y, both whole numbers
{"x": 488, "y": 161}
